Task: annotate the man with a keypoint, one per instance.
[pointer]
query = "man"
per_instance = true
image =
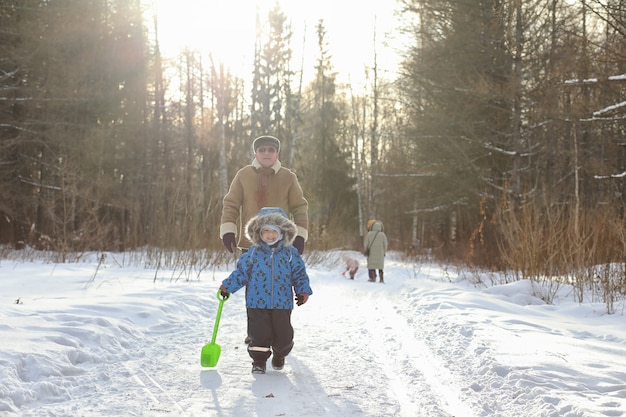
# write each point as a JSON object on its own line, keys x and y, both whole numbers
{"x": 263, "y": 183}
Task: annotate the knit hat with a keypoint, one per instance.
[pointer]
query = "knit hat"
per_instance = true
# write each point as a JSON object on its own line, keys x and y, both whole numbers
{"x": 268, "y": 210}
{"x": 267, "y": 141}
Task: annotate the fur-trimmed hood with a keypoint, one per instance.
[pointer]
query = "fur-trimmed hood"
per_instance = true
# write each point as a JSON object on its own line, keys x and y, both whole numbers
{"x": 274, "y": 216}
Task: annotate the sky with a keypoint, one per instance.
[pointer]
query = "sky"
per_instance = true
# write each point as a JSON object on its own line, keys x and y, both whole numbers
{"x": 226, "y": 29}
{"x": 117, "y": 339}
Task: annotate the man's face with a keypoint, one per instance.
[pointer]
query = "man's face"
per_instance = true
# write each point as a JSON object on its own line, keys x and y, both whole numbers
{"x": 266, "y": 155}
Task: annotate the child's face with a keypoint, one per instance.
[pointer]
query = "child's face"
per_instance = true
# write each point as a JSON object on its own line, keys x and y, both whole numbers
{"x": 269, "y": 236}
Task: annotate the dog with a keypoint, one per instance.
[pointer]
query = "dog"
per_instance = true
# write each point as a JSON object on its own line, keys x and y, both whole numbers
{"x": 352, "y": 265}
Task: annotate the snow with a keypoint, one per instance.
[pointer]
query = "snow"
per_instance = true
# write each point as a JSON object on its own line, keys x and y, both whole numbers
{"x": 90, "y": 339}
{"x": 610, "y": 108}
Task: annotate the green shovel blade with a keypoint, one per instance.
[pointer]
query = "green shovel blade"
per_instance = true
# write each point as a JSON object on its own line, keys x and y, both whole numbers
{"x": 210, "y": 355}
{"x": 211, "y": 351}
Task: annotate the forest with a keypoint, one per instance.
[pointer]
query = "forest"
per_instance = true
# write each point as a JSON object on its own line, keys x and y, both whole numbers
{"x": 499, "y": 143}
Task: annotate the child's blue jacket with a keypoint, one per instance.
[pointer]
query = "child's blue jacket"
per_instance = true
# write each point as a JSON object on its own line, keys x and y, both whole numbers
{"x": 271, "y": 276}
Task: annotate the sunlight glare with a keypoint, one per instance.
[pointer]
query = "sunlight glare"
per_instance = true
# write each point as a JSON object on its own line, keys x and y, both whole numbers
{"x": 226, "y": 30}
{"x": 221, "y": 29}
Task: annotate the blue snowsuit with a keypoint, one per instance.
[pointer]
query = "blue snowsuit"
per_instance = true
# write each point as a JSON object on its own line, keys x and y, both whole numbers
{"x": 271, "y": 275}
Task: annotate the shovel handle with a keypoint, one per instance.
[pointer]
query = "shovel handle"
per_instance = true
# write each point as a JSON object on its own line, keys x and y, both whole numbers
{"x": 219, "y": 314}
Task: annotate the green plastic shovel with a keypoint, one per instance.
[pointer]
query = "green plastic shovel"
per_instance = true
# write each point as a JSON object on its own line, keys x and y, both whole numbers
{"x": 211, "y": 351}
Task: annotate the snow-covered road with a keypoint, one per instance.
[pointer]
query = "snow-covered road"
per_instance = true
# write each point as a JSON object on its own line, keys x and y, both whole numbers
{"x": 418, "y": 345}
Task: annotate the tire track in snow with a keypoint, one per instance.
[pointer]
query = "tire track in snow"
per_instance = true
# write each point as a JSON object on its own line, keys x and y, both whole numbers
{"x": 155, "y": 391}
{"x": 394, "y": 373}
{"x": 409, "y": 365}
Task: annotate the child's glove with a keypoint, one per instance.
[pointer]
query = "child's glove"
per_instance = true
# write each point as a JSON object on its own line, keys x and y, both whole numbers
{"x": 224, "y": 292}
{"x": 301, "y": 299}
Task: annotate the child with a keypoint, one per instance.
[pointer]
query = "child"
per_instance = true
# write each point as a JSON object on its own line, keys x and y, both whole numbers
{"x": 352, "y": 265}
{"x": 271, "y": 270}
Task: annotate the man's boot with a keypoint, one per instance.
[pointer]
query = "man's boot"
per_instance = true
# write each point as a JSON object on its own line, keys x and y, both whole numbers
{"x": 372, "y": 274}
{"x": 380, "y": 274}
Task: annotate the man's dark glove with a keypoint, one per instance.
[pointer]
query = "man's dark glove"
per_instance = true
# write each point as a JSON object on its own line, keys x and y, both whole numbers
{"x": 229, "y": 241}
{"x": 298, "y": 243}
{"x": 224, "y": 292}
{"x": 301, "y": 299}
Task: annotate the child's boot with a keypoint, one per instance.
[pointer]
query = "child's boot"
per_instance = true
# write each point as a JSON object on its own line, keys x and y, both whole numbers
{"x": 258, "y": 367}
{"x": 278, "y": 362}
{"x": 380, "y": 274}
